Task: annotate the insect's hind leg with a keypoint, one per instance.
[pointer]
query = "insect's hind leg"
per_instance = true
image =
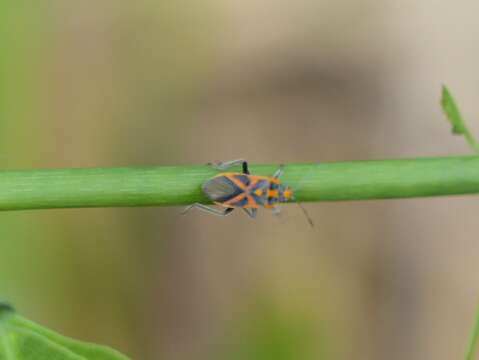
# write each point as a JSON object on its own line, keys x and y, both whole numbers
{"x": 251, "y": 212}
{"x": 278, "y": 214}
{"x": 208, "y": 209}
{"x": 227, "y": 164}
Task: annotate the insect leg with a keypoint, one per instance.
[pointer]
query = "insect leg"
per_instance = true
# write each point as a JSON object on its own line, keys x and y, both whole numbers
{"x": 279, "y": 172}
{"x": 279, "y": 215}
{"x": 208, "y": 209}
{"x": 251, "y": 212}
{"x": 227, "y": 164}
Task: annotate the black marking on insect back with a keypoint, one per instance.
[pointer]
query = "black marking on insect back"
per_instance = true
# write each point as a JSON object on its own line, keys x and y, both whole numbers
{"x": 272, "y": 200}
{"x": 258, "y": 199}
{"x": 221, "y": 189}
{"x": 263, "y": 186}
{"x": 244, "y": 179}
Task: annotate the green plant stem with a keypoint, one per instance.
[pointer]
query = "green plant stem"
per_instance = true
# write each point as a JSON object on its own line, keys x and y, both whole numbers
{"x": 474, "y": 339}
{"x": 471, "y": 140}
{"x": 178, "y": 185}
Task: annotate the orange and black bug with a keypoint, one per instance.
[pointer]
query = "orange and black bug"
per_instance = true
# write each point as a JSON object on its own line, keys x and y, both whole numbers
{"x": 232, "y": 190}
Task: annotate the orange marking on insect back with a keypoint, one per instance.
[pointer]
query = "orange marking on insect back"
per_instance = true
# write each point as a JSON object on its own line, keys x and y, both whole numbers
{"x": 273, "y": 193}
{"x": 256, "y": 178}
{"x": 234, "y": 180}
{"x": 251, "y": 203}
{"x": 234, "y": 199}
{"x": 274, "y": 180}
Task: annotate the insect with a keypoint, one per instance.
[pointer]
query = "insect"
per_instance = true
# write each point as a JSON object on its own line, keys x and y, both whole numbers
{"x": 231, "y": 190}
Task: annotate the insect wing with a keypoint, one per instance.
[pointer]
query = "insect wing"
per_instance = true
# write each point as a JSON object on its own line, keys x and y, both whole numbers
{"x": 220, "y": 189}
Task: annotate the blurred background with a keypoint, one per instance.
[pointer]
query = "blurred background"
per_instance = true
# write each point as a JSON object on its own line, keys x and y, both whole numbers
{"x": 122, "y": 83}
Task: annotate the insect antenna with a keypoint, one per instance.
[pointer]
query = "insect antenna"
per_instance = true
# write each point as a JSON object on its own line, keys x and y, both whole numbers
{"x": 300, "y": 184}
{"x": 306, "y": 214}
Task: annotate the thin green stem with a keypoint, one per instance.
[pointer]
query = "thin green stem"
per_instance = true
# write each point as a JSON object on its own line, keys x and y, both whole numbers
{"x": 471, "y": 140}
{"x": 474, "y": 339}
{"x": 178, "y": 185}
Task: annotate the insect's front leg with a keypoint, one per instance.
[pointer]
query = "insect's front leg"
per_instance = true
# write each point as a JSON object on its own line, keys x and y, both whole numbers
{"x": 251, "y": 212}
{"x": 278, "y": 214}
{"x": 227, "y": 164}
{"x": 276, "y": 210}
{"x": 279, "y": 172}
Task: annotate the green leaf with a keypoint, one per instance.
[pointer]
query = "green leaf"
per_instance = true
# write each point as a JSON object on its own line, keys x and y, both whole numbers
{"x": 455, "y": 118}
{"x": 452, "y": 112}
{"x": 22, "y": 339}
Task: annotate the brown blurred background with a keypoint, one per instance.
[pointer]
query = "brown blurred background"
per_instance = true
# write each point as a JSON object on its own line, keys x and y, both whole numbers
{"x": 122, "y": 83}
